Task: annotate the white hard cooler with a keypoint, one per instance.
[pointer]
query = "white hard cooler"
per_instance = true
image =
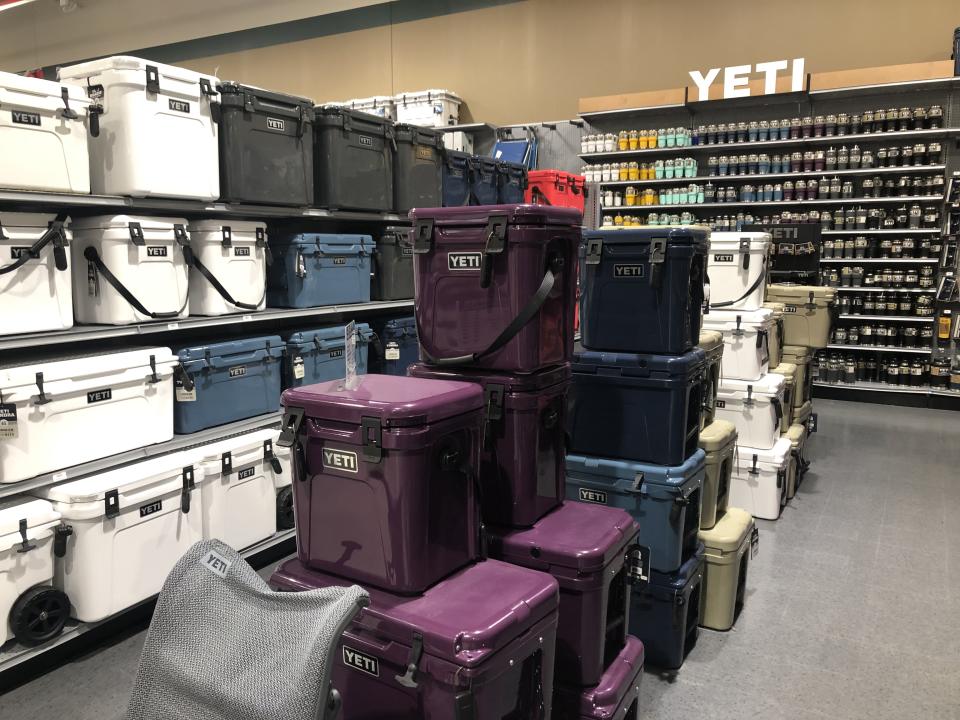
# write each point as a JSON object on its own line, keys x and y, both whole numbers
{"x": 737, "y": 264}
{"x": 754, "y": 407}
{"x": 228, "y": 273}
{"x": 428, "y": 108}
{"x": 746, "y": 333}
{"x": 759, "y": 479}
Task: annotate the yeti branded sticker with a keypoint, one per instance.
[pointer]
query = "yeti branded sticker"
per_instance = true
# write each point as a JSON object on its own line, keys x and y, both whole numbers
{"x": 95, "y": 396}
{"x": 158, "y": 251}
{"x": 721, "y": 404}
{"x": 722, "y": 258}
{"x": 628, "y": 271}
{"x": 336, "y": 353}
{"x": 464, "y": 261}
{"x": 17, "y": 252}
{"x": 339, "y": 261}
{"x": 244, "y": 474}
{"x": 790, "y": 308}
{"x": 241, "y": 252}
{"x": 364, "y": 140}
{"x": 25, "y": 118}
{"x": 360, "y": 661}
{"x": 274, "y": 124}
{"x": 216, "y": 563}
{"x": 238, "y": 371}
{"x": 598, "y": 497}
{"x": 179, "y": 106}
{"x": 151, "y": 508}
{"x": 343, "y": 460}
{"x": 424, "y": 152}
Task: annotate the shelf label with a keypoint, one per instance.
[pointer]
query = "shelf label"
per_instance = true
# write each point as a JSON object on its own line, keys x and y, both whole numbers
{"x": 173, "y": 326}
{"x": 8, "y": 421}
{"x": 736, "y": 78}
{"x": 247, "y": 318}
{"x": 58, "y": 476}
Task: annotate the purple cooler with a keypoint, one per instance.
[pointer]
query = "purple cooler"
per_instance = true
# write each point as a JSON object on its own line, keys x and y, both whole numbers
{"x": 616, "y": 696}
{"x": 522, "y": 460}
{"x": 591, "y": 550}
{"x": 384, "y": 478}
{"x": 476, "y": 646}
{"x": 495, "y": 285}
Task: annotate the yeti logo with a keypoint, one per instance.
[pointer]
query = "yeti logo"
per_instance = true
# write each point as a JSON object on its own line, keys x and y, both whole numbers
{"x": 216, "y": 563}
{"x": 25, "y": 118}
{"x": 628, "y": 271}
{"x": 359, "y": 661}
{"x": 343, "y": 460}
{"x": 336, "y": 353}
{"x": 721, "y": 404}
{"x": 339, "y": 261}
{"x": 179, "y": 106}
{"x": 244, "y": 474}
{"x": 598, "y": 497}
{"x": 17, "y": 252}
{"x": 241, "y": 252}
{"x": 156, "y": 251}
{"x": 364, "y": 140}
{"x": 238, "y": 371}
{"x": 151, "y": 508}
{"x": 790, "y": 308}
{"x": 274, "y": 124}
{"x": 722, "y": 258}
{"x": 463, "y": 261}
{"x": 95, "y": 396}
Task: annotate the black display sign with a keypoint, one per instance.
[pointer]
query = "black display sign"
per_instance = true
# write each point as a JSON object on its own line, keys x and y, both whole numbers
{"x": 796, "y": 247}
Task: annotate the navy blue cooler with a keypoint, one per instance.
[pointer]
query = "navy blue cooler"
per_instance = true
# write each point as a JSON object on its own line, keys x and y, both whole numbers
{"x": 398, "y": 348}
{"x": 636, "y": 407}
{"x": 665, "y": 613}
{"x": 511, "y": 183}
{"x": 642, "y": 289}
{"x": 315, "y": 269}
{"x": 456, "y": 178}
{"x": 483, "y": 181}
{"x": 665, "y": 501}
{"x": 314, "y": 356}
{"x": 226, "y": 381}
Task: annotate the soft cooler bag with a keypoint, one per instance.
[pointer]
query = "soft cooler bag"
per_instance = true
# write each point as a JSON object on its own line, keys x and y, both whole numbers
{"x": 71, "y": 411}
{"x": 483, "y": 181}
{"x": 737, "y": 264}
{"x": 746, "y": 354}
{"x": 392, "y": 277}
{"x": 616, "y": 695}
{"x": 727, "y": 551}
{"x": 266, "y": 146}
{"x": 226, "y": 381}
{"x": 665, "y": 615}
{"x": 511, "y": 183}
{"x": 642, "y": 289}
{"x": 151, "y": 128}
{"x": 313, "y": 270}
{"x": 759, "y": 480}
{"x": 800, "y": 356}
{"x": 797, "y": 435}
{"x": 806, "y": 313}
{"x": 718, "y": 440}
{"x": 430, "y": 108}
{"x": 417, "y": 168}
{"x": 555, "y": 187}
{"x": 130, "y": 526}
{"x": 755, "y": 408}
{"x": 789, "y": 372}
{"x": 711, "y": 342}
{"x": 31, "y": 609}
{"x": 665, "y": 501}
{"x": 400, "y": 347}
{"x": 129, "y": 269}
{"x": 592, "y": 553}
{"x": 775, "y": 338}
{"x": 228, "y": 267}
{"x": 456, "y": 178}
{"x": 495, "y": 286}
{"x": 314, "y": 356}
{"x": 477, "y": 645}
{"x": 36, "y": 292}
{"x": 385, "y": 478}
{"x": 44, "y": 138}
{"x": 636, "y": 407}
{"x": 522, "y": 460}
{"x": 354, "y": 160}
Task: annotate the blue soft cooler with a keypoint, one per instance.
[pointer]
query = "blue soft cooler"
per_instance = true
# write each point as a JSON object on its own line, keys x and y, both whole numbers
{"x": 314, "y": 356}
{"x": 665, "y": 614}
{"x": 312, "y": 270}
{"x": 456, "y": 178}
{"x": 665, "y": 501}
{"x": 636, "y": 407}
{"x": 511, "y": 183}
{"x": 399, "y": 345}
{"x": 632, "y": 303}
{"x": 483, "y": 181}
{"x": 226, "y": 381}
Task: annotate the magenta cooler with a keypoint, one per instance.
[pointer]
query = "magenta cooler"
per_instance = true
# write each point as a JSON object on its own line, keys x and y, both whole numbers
{"x": 592, "y": 552}
{"x": 384, "y": 478}
{"x": 522, "y": 460}
{"x": 459, "y": 651}
{"x": 615, "y": 697}
{"x": 495, "y": 285}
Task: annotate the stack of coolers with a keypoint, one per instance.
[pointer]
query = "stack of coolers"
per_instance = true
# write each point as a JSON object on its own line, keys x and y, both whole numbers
{"x": 635, "y": 411}
{"x": 477, "y": 180}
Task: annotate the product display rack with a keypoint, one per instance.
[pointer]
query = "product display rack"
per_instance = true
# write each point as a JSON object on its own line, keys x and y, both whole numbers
{"x": 784, "y": 203}
{"x": 912, "y": 169}
{"x": 882, "y": 348}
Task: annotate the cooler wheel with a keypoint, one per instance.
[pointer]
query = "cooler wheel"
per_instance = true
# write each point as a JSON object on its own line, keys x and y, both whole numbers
{"x": 39, "y": 615}
{"x": 285, "y": 508}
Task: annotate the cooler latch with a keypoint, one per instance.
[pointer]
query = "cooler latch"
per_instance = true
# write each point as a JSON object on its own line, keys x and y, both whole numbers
{"x": 188, "y": 485}
{"x": 154, "y": 378}
{"x": 812, "y": 424}
{"x": 226, "y": 236}
{"x": 409, "y": 678}
{"x": 738, "y": 331}
{"x": 42, "y": 398}
{"x": 25, "y": 545}
{"x": 67, "y": 112}
{"x": 206, "y": 88}
{"x": 183, "y": 377}
{"x": 637, "y": 564}
{"x": 372, "y": 436}
{"x": 60, "y": 535}
{"x": 781, "y": 476}
{"x": 810, "y": 305}
{"x": 463, "y": 706}
{"x": 271, "y": 458}
{"x": 496, "y": 243}
{"x": 493, "y": 401}
{"x": 423, "y": 236}
{"x": 153, "y": 79}
{"x": 658, "y": 253}
{"x": 745, "y": 252}
{"x": 594, "y": 251}
{"x": 754, "y": 470}
{"x": 262, "y": 244}
{"x": 136, "y": 234}
{"x": 778, "y": 409}
{"x": 290, "y": 426}
{"x": 226, "y": 463}
{"x": 749, "y": 401}
{"x": 111, "y": 504}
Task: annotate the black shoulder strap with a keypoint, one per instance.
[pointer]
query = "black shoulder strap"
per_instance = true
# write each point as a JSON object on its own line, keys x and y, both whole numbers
{"x": 756, "y": 283}
{"x": 91, "y": 255}
{"x": 218, "y": 286}
{"x": 54, "y": 234}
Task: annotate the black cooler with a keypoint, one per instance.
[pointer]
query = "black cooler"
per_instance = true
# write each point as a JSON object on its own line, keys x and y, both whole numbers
{"x": 418, "y": 168}
{"x": 393, "y": 265}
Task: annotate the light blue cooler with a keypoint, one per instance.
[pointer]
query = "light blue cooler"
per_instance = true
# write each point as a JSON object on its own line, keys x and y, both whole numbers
{"x": 399, "y": 345}
{"x": 314, "y": 269}
{"x": 665, "y": 501}
{"x": 315, "y": 356}
{"x": 227, "y": 381}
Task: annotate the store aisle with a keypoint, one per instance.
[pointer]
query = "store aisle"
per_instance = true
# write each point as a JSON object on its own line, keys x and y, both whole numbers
{"x": 853, "y": 601}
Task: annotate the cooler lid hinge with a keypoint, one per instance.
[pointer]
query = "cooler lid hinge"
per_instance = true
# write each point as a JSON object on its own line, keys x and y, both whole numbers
{"x": 42, "y": 398}
{"x": 153, "y": 79}
{"x": 371, "y": 432}
{"x": 111, "y": 503}
{"x": 226, "y": 463}
{"x": 290, "y": 426}
{"x": 594, "y": 251}
{"x": 25, "y": 545}
{"x": 60, "y": 535}
{"x": 136, "y": 234}
{"x": 188, "y": 485}
{"x": 409, "y": 678}
{"x": 270, "y": 457}
{"x": 423, "y": 236}
{"x": 745, "y": 252}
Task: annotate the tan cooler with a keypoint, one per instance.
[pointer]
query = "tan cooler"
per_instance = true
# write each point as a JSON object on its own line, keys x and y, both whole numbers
{"x": 806, "y": 313}
{"x": 711, "y": 342}
{"x": 797, "y": 434}
{"x": 719, "y": 441}
{"x": 789, "y": 371}
{"x": 802, "y": 414}
{"x": 801, "y": 357}
{"x": 775, "y": 339}
{"x": 727, "y": 556}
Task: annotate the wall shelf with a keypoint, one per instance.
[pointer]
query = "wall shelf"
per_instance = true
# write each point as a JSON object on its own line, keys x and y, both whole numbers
{"x": 888, "y": 318}
{"x": 893, "y": 231}
{"x": 913, "y": 169}
{"x": 879, "y": 261}
{"x": 883, "y": 348}
{"x": 876, "y": 289}
{"x": 780, "y": 203}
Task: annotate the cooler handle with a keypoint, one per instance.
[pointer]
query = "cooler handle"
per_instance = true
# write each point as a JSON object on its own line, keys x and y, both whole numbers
{"x": 91, "y": 255}
{"x": 53, "y": 234}
{"x": 218, "y": 286}
{"x": 761, "y": 278}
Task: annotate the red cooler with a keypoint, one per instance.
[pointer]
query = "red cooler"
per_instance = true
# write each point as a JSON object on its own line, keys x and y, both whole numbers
{"x": 555, "y": 187}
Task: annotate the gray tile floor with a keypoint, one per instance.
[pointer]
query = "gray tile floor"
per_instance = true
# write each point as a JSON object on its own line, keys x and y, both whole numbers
{"x": 853, "y": 608}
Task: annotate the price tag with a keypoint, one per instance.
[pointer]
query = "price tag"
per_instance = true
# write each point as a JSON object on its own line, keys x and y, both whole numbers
{"x": 173, "y": 326}
{"x": 298, "y": 371}
{"x": 350, "y": 355}
{"x": 392, "y": 351}
{"x": 247, "y": 318}
{"x": 8, "y": 422}
{"x": 183, "y": 395}
{"x": 58, "y": 476}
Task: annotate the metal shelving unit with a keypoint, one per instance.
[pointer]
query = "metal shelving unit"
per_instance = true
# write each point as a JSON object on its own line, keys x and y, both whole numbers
{"x": 778, "y": 203}
{"x": 759, "y": 177}
{"x": 883, "y": 261}
{"x": 874, "y": 387}
{"x": 876, "y": 289}
{"x": 883, "y": 348}
{"x": 887, "y": 318}
{"x": 894, "y": 231}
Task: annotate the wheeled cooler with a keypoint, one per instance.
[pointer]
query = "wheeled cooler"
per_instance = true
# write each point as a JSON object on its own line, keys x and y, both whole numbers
{"x": 642, "y": 289}
{"x": 226, "y": 381}
{"x": 656, "y": 401}
{"x": 478, "y": 644}
{"x": 385, "y": 478}
{"x": 665, "y": 501}
{"x": 592, "y": 553}
{"x": 228, "y": 267}
{"x": 555, "y": 187}
{"x": 456, "y": 178}
{"x": 36, "y": 289}
{"x": 755, "y": 408}
{"x": 130, "y": 526}
{"x": 314, "y": 356}
{"x": 511, "y": 183}
{"x": 801, "y": 357}
{"x": 71, "y": 411}
{"x": 495, "y": 286}
{"x": 151, "y": 125}
{"x": 746, "y": 333}
{"x": 417, "y": 168}
{"x": 728, "y": 547}
{"x": 665, "y": 615}
{"x": 797, "y": 435}
{"x": 392, "y": 277}
{"x": 31, "y": 609}
{"x": 759, "y": 480}
{"x": 354, "y": 160}
{"x": 314, "y": 269}
{"x": 806, "y": 313}
{"x": 789, "y": 373}
{"x": 711, "y": 342}
{"x": 737, "y": 264}
{"x": 616, "y": 695}
{"x": 775, "y": 338}
{"x": 398, "y": 338}
{"x": 718, "y": 440}
{"x": 266, "y": 146}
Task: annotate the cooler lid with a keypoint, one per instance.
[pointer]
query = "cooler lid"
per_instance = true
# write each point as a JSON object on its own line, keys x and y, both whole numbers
{"x": 678, "y": 580}
{"x": 775, "y": 456}
{"x": 787, "y": 369}
{"x": 511, "y": 383}
{"x": 407, "y": 132}
{"x": 312, "y": 240}
{"x": 216, "y": 226}
{"x": 242, "y": 346}
{"x": 770, "y": 385}
{"x": 640, "y": 365}
{"x": 128, "y": 62}
{"x": 35, "y": 512}
{"x": 717, "y": 435}
{"x": 421, "y": 95}
{"x": 479, "y": 215}
{"x": 326, "y": 336}
{"x": 673, "y": 476}
{"x": 41, "y": 88}
{"x": 29, "y": 221}
{"x": 336, "y": 115}
{"x": 791, "y": 294}
{"x": 730, "y": 532}
{"x": 777, "y": 307}
{"x": 575, "y": 535}
{"x": 801, "y": 353}
{"x": 83, "y": 366}
{"x": 250, "y": 443}
{"x": 680, "y": 235}
{"x": 396, "y": 400}
{"x": 730, "y": 241}
{"x": 229, "y": 87}
{"x": 395, "y": 235}
{"x": 795, "y": 434}
{"x": 710, "y": 339}
{"x": 110, "y": 222}
{"x": 726, "y": 320}
{"x": 553, "y": 176}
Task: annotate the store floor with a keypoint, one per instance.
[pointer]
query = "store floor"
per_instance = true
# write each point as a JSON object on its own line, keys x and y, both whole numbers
{"x": 853, "y": 606}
